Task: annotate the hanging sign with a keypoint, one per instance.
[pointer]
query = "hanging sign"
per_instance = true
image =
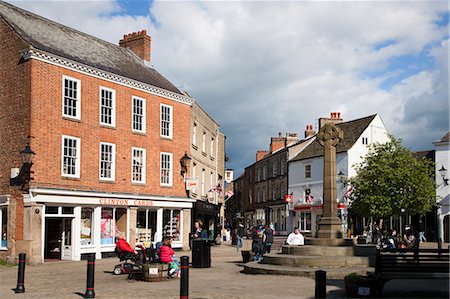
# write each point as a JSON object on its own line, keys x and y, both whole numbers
{"x": 288, "y": 198}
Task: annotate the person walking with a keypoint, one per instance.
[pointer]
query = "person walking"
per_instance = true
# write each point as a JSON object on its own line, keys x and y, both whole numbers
{"x": 422, "y": 232}
{"x": 240, "y": 236}
{"x": 267, "y": 239}
{"x": 257, "y": 245}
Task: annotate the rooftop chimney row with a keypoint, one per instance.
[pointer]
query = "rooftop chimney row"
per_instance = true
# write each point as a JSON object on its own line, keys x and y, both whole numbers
{"x": 138, "y": 42}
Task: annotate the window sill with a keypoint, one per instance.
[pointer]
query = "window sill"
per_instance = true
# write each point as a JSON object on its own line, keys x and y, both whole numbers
{"x": 107, "y": 181}
{"x": 204, "y": 154}
{"x": 212, "y": 158}
{"x": 194, "y": 147}
{"x": 70, "y": 178}
{"x": 106, "y": 126}
{"x": 166, "y": 138}
{"x": 138, "y": 184}
{"x": 166, "y": 186}
{"x": 3, "y": 248}
{"x": 77, "y": 120}
{"x": 142, "y": 133}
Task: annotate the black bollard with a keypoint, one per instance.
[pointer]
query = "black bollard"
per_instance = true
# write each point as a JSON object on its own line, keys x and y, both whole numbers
{"x": 321, "y": 284}
{"x": 184, "y": 281}
{"x": 440, "y": 247}
{"x": 21, "y": 274}
{"x": 90, "y": 277}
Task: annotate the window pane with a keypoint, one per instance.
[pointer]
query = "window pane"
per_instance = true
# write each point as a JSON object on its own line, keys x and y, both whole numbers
{"x": 4, "y": 231}
{"x": 70, "y": 98}
{"x": 107, "y": 226}
{"x": 67, "y": 210}
{"x": 86, "y": 233}
{"x": 171, "y": 220}
{"x": 51, "y": 210}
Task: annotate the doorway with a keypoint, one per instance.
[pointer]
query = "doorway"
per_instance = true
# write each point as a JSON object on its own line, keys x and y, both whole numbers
{"x": 58, "y": 238}
{"x": 446, "y": 223}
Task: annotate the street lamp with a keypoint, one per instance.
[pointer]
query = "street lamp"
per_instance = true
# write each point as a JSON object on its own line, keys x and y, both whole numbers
{"x": 341, "y": 177}
{"x": 443, "y": 173}
{"x": 185, "y": 161}
{"x": 24, "y": 175}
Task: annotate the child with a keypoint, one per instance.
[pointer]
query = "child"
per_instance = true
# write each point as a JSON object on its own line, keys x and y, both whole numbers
{"x": 166, "y": 255}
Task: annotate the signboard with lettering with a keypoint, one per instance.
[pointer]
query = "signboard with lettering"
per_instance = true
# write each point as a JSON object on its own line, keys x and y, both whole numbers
{"x": 125, "y": 202}
{"x": 191, "y": 184}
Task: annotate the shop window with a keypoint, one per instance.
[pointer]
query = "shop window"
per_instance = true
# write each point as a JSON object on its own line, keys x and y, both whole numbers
{"x": 145, "y": 226}
{"x": 120, "y": 220}
{"x": 107, "y": 226}
{"x": 305, "y": 221}
{"x": 172, "y": 223}
{"x": 4, "y": 227}
{"x": 86, "y": 233}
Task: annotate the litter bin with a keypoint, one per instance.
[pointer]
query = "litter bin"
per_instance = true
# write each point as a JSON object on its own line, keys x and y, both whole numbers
{"x": 201, "y": 253}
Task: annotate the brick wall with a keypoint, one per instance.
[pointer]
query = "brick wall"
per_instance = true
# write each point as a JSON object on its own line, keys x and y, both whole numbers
{"x": 14, "y": 122}
{"x": 48, "y": 125}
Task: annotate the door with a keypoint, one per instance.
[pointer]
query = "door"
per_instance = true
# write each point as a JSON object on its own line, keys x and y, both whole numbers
{"x": 66, "y": 239}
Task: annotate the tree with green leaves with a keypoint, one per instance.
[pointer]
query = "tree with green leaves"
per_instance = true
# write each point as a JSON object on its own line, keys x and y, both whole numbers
{"x": 390, "y": 180}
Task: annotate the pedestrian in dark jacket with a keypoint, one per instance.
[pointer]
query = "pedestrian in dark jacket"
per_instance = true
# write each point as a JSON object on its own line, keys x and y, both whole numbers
{"x": 267, "y": 240}
{"x": 240, "y": 236}
{"x": 257, "y": 244}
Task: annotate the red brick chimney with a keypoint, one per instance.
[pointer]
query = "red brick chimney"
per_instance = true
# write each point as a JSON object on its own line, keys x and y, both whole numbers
{"x": 261, "y": 154}
{"x": 138, "y": 42}
{"x": 309, "y": 131}
{"x": 335, "y": 118}
{"x": 276, "y": 143}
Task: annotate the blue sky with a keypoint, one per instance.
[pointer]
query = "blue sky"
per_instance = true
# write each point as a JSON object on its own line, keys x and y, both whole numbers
{"x": 259, "y": 68}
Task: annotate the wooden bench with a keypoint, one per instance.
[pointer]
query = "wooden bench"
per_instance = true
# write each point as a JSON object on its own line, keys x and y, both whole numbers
{"x": 410, "y": 264}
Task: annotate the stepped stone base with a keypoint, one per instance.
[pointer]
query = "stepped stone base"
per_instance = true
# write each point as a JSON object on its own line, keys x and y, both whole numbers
{"x": 332, "y": 273}
{"x": 329, "y": 242}
{"x": 315, "y": 261}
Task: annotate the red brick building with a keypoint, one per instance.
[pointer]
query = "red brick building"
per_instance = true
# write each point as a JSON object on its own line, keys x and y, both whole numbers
{"x": 108, "y": 131}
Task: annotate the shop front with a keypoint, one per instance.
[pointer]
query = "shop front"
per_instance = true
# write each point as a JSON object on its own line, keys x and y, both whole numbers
{"x": 75, "y": 223}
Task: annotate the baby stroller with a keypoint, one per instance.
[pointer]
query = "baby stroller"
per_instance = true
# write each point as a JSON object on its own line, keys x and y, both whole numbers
{"x": 130, "y": 263}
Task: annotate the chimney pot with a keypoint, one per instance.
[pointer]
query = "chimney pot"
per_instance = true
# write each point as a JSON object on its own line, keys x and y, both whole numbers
{"x": 138, "y": 42}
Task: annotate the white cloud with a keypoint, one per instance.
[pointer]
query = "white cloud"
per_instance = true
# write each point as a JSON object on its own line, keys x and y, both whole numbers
{"x": 263, "y": 67}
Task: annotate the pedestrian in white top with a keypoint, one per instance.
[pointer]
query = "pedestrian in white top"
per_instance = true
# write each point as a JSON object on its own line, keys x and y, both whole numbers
{"x": 295, "y": 238}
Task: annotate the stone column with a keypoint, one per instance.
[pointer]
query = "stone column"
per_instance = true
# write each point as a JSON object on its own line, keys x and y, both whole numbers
{"x": 132, "y": 228}
{"x": 186, "y": 228}
{"x": 330, "y": 226}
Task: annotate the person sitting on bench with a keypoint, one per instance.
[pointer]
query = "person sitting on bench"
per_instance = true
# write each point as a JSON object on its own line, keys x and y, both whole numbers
{"x": 167, "y": 256}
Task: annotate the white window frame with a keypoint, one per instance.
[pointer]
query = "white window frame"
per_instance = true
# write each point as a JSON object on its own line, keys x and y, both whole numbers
{"x": 274, "y": 168}
{"x": 310, "y": 171}
{"x": 170, "y": 155}
{"x": 203, "y": 182}
{"x": 144, "y": 115}
{"x": 194, "y": 135}
{"x": 113, "y": 162}
{"x": 212, "y": 147}
{"x": 144, "y": 165}
{"x": 204, "y": 142}
{"x": 78, "y": 89}
{"x": 303, "y": 223}
{"x": 78, "y": 157}
{"x": 170, "y": 121}
{"x": 113, "y": 107}
{"x": 194, "y": 175}
{"x": 211, "y": 181}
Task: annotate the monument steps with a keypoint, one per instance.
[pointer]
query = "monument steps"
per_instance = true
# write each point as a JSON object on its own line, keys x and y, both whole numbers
{"x": 314, "y": 250}
{"x": 332, "y": 272}
{"x": 313, "y": 261}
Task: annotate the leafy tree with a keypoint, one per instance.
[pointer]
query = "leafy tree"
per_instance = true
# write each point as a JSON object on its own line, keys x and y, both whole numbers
{"x": 389, "y": 179}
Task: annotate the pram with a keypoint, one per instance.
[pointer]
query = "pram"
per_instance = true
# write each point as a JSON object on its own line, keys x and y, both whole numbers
{"x": 130, "y": 263}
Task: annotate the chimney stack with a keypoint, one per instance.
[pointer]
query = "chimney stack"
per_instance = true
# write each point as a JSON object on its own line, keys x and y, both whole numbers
{"x": 335, "y": 118}
{"x": 261, "y": 154}
{"x": 309, "y": 131}
{"x": 138, "y": 42}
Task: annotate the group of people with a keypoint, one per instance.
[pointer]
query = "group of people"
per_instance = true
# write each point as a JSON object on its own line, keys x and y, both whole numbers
{"x": 408, "y": 241}
{"x": 262, "y": 237}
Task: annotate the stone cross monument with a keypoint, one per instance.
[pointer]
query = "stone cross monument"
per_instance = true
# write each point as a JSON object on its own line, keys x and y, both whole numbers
{"x": 330, "y": 226}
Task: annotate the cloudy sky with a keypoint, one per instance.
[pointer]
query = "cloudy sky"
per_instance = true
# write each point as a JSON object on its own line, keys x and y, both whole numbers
{"x": 259, "y": 67}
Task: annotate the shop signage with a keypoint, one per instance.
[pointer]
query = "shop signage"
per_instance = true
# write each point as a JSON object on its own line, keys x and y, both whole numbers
{"x": 288, "y": 198}
{"x": 125, "y": 202}
{"x": 191, "y": 184}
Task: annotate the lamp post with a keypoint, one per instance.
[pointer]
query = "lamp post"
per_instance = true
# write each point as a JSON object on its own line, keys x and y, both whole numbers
{"x": 25, "y": 172}
{"x": 443, "y": 173}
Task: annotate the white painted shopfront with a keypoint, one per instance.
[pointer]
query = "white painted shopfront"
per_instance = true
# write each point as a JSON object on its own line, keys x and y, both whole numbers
{"x": 78, "y": 222}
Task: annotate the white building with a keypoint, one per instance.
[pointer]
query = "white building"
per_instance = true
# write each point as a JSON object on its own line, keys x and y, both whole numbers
{"x": 306, "y": 169}
{"x": 442, "y": 186}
